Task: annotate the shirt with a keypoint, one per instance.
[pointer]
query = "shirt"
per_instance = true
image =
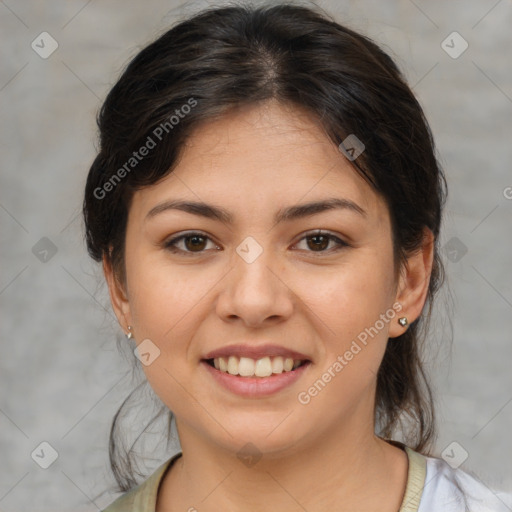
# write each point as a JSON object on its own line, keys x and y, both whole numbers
{"x": 432, "y": 486}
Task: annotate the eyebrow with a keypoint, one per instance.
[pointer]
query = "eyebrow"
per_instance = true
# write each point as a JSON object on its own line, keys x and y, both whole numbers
{"x": 283, "y": 215}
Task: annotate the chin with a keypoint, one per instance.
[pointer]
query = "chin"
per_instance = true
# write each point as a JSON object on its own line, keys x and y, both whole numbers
{"x": 270, "y": 436}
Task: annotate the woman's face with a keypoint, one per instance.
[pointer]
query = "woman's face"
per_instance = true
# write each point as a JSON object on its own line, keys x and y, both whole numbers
{"x": 262, "y": 284}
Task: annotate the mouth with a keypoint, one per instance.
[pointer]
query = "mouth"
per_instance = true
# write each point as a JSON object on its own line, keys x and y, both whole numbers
{"x": 255, "y": 371}
{"x": 255, "y": 378}
{"x": 264, "y": 367}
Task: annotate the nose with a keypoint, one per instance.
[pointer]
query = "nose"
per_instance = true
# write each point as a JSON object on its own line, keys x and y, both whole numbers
{"x": 255, "y": 291}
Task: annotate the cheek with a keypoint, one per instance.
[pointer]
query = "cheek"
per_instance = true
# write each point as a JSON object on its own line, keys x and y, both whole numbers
{"x": 354, "y": 344}
{"x": 352, "y": 310}
{"x": 161, "y": 318}
{"x": 163, "y": 300}
{"x": 348, "y": 299}
{"x": 163, "y": 296}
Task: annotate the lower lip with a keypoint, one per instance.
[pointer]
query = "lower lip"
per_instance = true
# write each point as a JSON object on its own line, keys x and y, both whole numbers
{"x": 255, "y": 387}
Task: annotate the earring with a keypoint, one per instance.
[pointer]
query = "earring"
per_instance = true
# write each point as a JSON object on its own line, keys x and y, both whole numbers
{"x": 403, "y": 321}
{"x": 129, "y": 335}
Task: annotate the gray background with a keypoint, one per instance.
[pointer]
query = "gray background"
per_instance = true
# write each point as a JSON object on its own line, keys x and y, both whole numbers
{"x": 62, "y": 377}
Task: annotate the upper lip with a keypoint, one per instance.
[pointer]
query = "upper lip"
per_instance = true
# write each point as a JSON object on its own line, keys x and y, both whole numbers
{"x": 255, "y": 352}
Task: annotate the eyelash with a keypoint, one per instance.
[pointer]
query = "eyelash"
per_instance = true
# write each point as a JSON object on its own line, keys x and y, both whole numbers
{"x": 170, "y": 244}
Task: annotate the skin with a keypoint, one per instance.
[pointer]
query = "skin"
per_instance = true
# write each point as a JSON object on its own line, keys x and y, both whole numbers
{"x": 319, "y": 456}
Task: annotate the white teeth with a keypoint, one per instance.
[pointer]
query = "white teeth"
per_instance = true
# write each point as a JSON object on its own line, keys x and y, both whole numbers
{"x": 263, "y": 367}
{"x": 233, "y": 365}
{"x": 247, "y": 367}
{"x": 277, "y": 365}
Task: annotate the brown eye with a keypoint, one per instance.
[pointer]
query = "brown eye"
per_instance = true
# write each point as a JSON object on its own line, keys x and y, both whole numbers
{"x": 192, "y": 243}
{"x": 318, "y": 241}
{"x": 195, "y": 242}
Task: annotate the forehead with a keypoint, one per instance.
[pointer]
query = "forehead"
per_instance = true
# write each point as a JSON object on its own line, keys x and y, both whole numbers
{"x": 261, "y": 156}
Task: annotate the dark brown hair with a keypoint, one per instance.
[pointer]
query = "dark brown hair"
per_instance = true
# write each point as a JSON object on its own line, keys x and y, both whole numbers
{"x": 226, "y": 57}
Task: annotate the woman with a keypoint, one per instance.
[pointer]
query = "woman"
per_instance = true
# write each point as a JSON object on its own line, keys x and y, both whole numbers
{"x": 266, "y": 203}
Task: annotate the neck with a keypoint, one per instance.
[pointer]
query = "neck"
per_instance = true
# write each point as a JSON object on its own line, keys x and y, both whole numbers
{"x": 345, "y": 470}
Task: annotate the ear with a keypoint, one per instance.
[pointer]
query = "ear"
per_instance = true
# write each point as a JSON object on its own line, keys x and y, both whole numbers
{"x": 118, "y": 295}
{"x": 413, "y": 283}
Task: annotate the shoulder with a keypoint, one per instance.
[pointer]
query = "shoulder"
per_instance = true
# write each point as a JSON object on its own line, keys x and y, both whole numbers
{"x": 454, "y": 490}
{"x": 142, "y": 498}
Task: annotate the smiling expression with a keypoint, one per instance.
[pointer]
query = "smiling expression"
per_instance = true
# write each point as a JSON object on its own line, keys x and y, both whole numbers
{"x": 263, "y": 243}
